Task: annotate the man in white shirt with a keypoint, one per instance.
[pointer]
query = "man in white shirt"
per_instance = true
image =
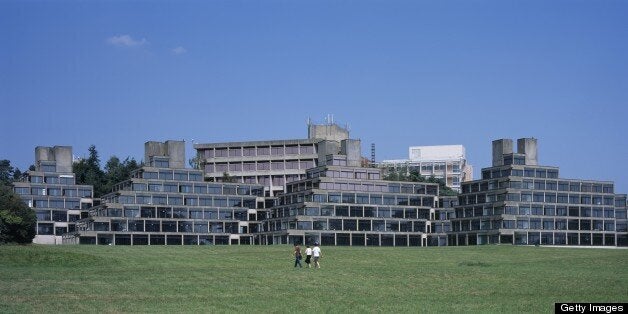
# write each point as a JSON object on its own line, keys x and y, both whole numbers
{"x": 308, "y": 256}
{"x": 316, "y": 255}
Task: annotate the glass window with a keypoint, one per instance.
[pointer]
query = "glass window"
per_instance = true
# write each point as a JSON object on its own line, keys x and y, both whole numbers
{"x": 248, "y": 151}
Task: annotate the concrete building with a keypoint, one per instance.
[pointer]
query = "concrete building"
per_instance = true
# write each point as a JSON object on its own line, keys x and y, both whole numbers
{"x": 447, "y": 162}
{"x": 338, "y": 204}
{"x": 51, "y": 191}
{"x": 517, "y": 201}
{"x": 276, "y": 162}
{"x": 164, "y": 203}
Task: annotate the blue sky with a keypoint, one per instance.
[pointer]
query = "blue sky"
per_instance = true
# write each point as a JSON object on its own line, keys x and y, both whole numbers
{"x": 399, "y": 73}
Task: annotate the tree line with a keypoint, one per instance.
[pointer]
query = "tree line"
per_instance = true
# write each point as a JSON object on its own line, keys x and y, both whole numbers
{"x": 88, "y": 171}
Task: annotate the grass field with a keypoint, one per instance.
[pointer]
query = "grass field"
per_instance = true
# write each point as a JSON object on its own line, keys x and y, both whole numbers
{"x": 262, "y": 278}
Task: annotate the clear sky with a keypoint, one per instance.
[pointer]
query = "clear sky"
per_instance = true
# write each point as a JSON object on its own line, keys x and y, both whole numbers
{"x": 399, "y": 73}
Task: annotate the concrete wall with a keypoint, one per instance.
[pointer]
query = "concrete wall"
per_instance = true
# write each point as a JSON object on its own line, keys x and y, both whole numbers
{"x": 352, "y": 149}
{"x": 501, "y": 147}
{"x": 436, "y": 152}
{"x": 151, "y": 149}
{"x": 327, "y": 148}
{"x": 528, "y": 146}
{"x": 43, "y": 153}
{"x": 331, "y": 132}
{"x": 175, "y": 150}
{"x": 61, "y": 155}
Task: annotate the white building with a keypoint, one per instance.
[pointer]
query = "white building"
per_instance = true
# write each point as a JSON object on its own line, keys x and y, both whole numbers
{"x": 447, "y": 162}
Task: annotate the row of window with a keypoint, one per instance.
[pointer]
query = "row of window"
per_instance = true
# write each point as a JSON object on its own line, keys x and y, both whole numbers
{"x": 427, "y": 167}
{"x": 539, "y": 184}
{"x": 517, "y": 172}
{"x": 543, "y": 238}
{"x": 162, "y": 239}
{"x": 358, "y": 239}
{"x": 176, "y": 212}
{"x": 275, "y": 150}
{"x": 141, "y": 225}
{"x": 539, "y": 224}
{"x": 259, "y": 166}
{"x": 56, "y": 203}
{"x": 56, "y": 215}
{"x": 358, "y": 174}
{"x": 56, "y": 191}
{"x": 177, "y": 199}
{"x": 357, "y": 198}
{"x": 166, "y": 174}
{"x": 543, "y": 197}
{"x": 52, "y": 179}
{"x": 369, "y": 187}
{"x": 541, "y": 210}
{"x": 197, "y": 188}
{"x": 352, "y": 211}
{"x": 46, "y": 228}
{"x": 347, "y": 225}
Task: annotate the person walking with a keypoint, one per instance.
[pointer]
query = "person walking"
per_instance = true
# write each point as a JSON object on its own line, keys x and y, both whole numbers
{"x": 297, "y": 256}
{"x": 308, "y": 256}
{"x": 316, "y": 255}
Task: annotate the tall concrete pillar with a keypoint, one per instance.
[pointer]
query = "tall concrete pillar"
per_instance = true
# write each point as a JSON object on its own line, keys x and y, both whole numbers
{"x": 528, "y": 146}
{"x": 43, "y": 153}
{"x": 176, "y": 152}
{"x": 501, "y": 147}
{"x": 325, "y": 148}
{"x": 63, "y": 158}
{"x": 152, "y": 148}
{"x": 352, "y": 149}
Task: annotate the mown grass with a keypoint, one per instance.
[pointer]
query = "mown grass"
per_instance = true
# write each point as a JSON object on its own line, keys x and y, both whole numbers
{"x": 261, "y": 278}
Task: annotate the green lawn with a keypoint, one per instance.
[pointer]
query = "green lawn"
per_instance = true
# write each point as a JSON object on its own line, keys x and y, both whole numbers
{"x": 261, "y": 278}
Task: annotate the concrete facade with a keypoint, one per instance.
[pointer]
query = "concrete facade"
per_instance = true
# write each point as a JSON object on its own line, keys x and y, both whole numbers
{"x": 171, "y": 205}
{"x": 339, "y": 204}
{"x": 519, "y": 202}
{"x": 173, "y": 150}
{"x": 275, "y": 163}
{"x": 51, "y": 191}
{"x": 59, "y": 157}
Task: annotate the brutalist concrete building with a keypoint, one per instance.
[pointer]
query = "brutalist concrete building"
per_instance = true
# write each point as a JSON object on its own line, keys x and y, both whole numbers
{"x": 270, "y": 163}
{"x": 165, "y": 203}
{"x": 518, "y": 201}
{"x": 51, "y": 190}
{"x": 341, "y": 203}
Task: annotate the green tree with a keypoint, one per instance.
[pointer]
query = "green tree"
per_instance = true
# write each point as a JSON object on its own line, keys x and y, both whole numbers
{"x": 88, "y": 172}
{"x": 415, "y": 176}
{"x": 227, "y": 178}
{"x": 17, "y": 221}
{"x": 195, "y": 162}
{"x": 116, "y": 172}
{"x": 7, "y": 172}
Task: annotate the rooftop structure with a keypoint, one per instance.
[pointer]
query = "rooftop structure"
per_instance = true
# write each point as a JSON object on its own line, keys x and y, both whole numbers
{"x": 274, "y": 163}
{"x": 447, "y": 162}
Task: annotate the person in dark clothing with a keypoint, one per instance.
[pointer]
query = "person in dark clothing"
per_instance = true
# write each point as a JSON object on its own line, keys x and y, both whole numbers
{"x": 297, "y": 256}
